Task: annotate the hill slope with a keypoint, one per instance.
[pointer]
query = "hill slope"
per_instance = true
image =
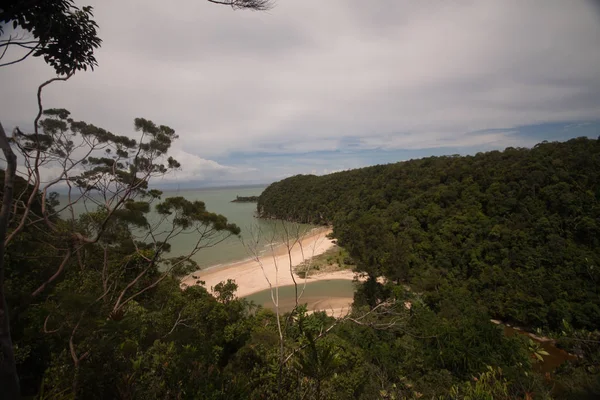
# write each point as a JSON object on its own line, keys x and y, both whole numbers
{"x": 518, "y": 229}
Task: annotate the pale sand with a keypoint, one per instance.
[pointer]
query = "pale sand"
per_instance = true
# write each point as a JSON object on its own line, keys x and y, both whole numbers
{"x": 251, "y": 278}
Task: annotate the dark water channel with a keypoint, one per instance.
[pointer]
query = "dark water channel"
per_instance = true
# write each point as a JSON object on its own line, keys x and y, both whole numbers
{"x": 555, "y": 355}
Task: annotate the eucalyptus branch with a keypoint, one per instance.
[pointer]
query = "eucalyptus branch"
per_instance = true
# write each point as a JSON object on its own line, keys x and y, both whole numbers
{"x": 46, "y": 330}
{"x": 178, "y": 321}
{"x": 36, "y": 172}
{"x": 58, "y": 272}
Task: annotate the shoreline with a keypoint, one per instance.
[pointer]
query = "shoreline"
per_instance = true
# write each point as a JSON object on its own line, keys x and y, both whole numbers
{"x": 272, "y": 266}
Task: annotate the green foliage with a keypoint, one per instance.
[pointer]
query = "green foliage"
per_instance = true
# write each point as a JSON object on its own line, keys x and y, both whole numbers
{"x": 518, "y": 230}
{"x": 225, "y": 291}
{"x": 118, "y": 324}
{"x": 64, "y": 34}
{"x": 189, "y": 213}
{"x": 83, "y": 286}
{"x": 489, "y": 385}
{"x": 579, "y": 379}
{"x": 334, "y": 259}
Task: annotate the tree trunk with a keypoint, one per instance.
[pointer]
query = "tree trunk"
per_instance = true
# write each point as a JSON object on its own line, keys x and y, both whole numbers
{"x": 9, "y": 380}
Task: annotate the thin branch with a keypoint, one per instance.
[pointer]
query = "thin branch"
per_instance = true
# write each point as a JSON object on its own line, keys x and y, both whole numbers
{"x": 46, "y": 326}
{"x": 10, "y": 42}
{"x": 59, "y": 271}
{"x": 6, "y": 48}
{"x": 178, "y": 321}
{"x": 25, "y": 45}
{"x": 20, "y": 59}
{"x": 36, "y": 172}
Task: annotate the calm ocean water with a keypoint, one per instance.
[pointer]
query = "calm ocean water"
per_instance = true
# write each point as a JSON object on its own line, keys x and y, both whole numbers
{"x": 218, "y": 200}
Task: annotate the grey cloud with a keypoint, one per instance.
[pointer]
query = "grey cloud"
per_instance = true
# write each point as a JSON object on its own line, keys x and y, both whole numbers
{"x": 190, "y": 35}
{"x": 310, "y": 74}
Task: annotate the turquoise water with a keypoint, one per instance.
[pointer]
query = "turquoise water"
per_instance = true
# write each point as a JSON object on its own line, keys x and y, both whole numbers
{"x": 314, "y": 293}
{"x": 218, "y": 200}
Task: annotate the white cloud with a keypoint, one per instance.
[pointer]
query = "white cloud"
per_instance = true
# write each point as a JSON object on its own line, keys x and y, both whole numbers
{"x": 195, "y": 168}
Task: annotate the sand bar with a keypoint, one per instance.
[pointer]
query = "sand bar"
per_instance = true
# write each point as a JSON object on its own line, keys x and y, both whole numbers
{"x": 273, "y": 266}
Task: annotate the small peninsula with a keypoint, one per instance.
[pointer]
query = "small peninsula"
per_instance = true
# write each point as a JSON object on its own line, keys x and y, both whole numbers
{"x": 242, "y": 199}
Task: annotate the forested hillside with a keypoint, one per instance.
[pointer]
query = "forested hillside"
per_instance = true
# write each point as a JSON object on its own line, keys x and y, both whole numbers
{"x": 92, "y": 304}
{"x": 81, "y": 338}
{"x": 108, "y": 319}
{"x": 517, "y": 230}
{"x": 169, "y": 343}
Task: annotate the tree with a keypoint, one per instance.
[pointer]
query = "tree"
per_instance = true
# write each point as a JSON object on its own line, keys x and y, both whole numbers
{"x": 518, "y": 228}
{"x": 64, "y": 34}
{"x": 8, "y": 372}
{"x": 112, "y": 251}
{"x": 299, "y": 330}
{"x": 66, "y": 37}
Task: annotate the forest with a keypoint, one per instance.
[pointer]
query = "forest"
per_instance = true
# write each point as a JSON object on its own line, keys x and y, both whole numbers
{"x": 513, "y": 233}
{"x": 113, "y": 323}
{"x": 518, "y": 230}
{"x": 92, "y": 305}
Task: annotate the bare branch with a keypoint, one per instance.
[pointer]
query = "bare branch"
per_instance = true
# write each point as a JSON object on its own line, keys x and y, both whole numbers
{"x": 179, "y": 321}
{"x": 58, "y": 272}
{"x": 35, "y": 169}
{"x": 6, "y": 48}
{"x": 28, "y": 44}
{"x": 46, "y": 330}
{"x": 20, "y": 59}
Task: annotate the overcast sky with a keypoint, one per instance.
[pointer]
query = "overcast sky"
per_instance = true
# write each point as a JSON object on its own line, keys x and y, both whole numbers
{"x": 315, "y": 86}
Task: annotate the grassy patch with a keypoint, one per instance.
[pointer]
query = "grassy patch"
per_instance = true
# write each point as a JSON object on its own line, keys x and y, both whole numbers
{"x": 334, "y": 259}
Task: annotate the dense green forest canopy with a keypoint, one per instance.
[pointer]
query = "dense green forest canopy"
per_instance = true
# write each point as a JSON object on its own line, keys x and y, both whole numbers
{"x": 518, "y": 230}
{"x": 173, "y": 342}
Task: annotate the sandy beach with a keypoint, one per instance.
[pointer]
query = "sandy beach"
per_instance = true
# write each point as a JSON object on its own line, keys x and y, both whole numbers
{"x": 273, "y": 266}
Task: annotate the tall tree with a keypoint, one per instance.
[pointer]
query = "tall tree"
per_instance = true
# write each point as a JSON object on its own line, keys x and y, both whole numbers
{"x": 66, "y": 37}
{"x": 106, "y": 240}
{"x": 8, "y": 371}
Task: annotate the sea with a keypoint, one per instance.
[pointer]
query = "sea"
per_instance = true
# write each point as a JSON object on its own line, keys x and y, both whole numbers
{"x": 257, "y": 235}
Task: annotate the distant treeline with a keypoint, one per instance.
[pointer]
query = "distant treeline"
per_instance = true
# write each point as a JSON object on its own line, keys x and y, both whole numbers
{"x": 242, "y": 199}
{"x": 517, "y": 230}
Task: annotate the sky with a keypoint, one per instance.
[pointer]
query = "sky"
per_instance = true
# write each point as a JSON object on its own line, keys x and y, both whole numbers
{"x": 315, "y": 86}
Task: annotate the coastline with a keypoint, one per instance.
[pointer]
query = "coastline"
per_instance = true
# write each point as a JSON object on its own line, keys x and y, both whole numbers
{"x": 254, "y": 274}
